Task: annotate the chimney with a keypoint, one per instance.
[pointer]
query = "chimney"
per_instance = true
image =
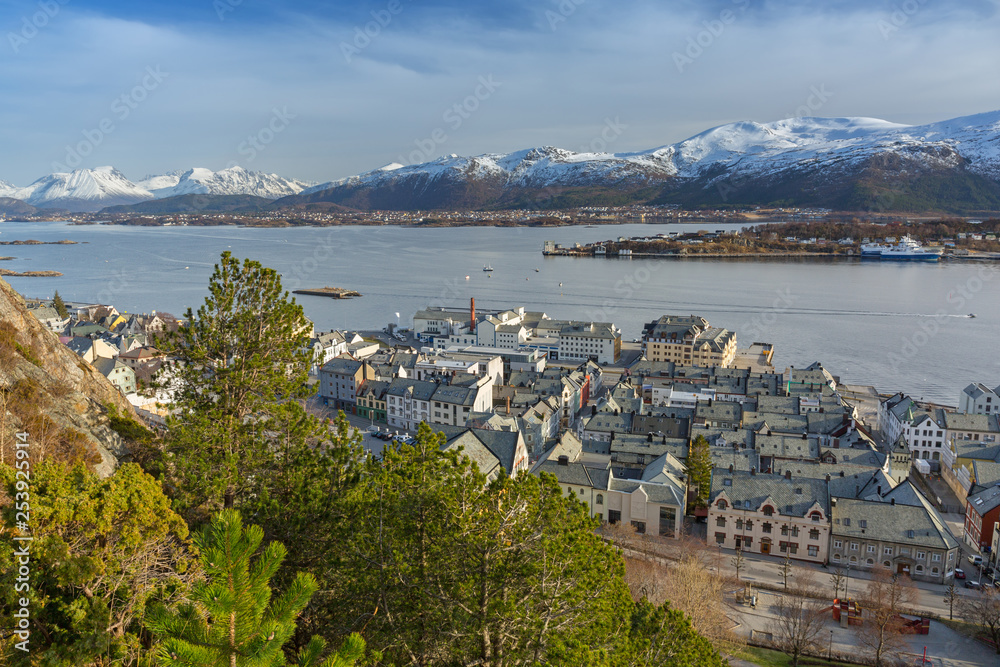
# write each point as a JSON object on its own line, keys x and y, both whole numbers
{"x": 472, "y": 314}
{"x": 892, "y": 501}
{"x": 508, "y": 404}
{"x": 828, "y": 477}
{"x": 878, "y": 489}
{"x": 563, "y": 460}
{"x": 753, "y": 470}
{"x": 788, "y": 474}
{"x": 730, "y": 468}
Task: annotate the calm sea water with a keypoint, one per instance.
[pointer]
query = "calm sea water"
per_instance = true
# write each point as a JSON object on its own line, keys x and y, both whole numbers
{"x": 897, "y": 326}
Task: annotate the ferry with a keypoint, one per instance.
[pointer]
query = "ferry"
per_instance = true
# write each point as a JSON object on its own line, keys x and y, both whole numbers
{"x": 905, "y": 250}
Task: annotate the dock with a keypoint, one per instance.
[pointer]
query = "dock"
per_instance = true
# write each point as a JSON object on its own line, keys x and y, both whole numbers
{"x": 332, "y": 292}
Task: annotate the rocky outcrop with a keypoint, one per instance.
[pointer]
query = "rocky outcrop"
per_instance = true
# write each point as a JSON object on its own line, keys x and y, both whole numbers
{"x": 50, "y": 392}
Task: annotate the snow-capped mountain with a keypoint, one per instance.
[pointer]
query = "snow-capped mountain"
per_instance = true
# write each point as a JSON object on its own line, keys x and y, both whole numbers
{"x": 94, "y": 189}
{"x": 83, "y": 190}
{"x": 232, "y": 181}
{"x": 838, "y": 162}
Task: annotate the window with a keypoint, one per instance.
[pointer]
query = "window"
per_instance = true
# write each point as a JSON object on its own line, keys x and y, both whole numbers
{"x": 934, "y": 571}
{"x": 814, "y": 551}
{"x": 920, "y": 569}
{"x": 936, "y": 558}
{"x": 766, "y": 527}
{"x": 721, "y": 504}
{"x": 784, "y": 530}
{"x": 836, "y": 558}
{"x": 854, "y": 559}
{"x": 837, "y": 544}
{"x": 720, "y": 538}
{"x": 581, "y": 492}
{"x": 600, "y": 499}
{"x": 739, "y": 524}
{"x": 854, "y": 546}
{"x": 887, "y": 551}
{"x": 814, "y": 534}
{"x": 871, "y": 548}
{"x": 863, "y": 523}
{"x": 870, "y": 561}
{"x": 640, "y": 527}
{"x": 793, "y": 548}
{"x": 795, "y": 531}
{"x": 614, "y": 516}
{"x": 768, "y": 510}
{"x": 847, "y": 522}
{"x": 749, "y": 525}
{"x": 721, "y": 522}
{"x": 886, "y": 563}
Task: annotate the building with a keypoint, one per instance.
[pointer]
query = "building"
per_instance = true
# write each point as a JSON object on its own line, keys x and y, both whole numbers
{"x": 907, "y": 539}
{"x": 120, "y": 375}
{"x": 371, "y": 401}
{"x": 494, "y": 452}
{"x": 452, "y": 404}
{"x": 982, "y": 511}
{"x": 979, "y": 399}
{"x": 688, "y": 340}
{"x": 340, "y": 381}
{"x": 594, "y": 341}
{"x": 769, "y": 514}
{"x": 408, "y": 402}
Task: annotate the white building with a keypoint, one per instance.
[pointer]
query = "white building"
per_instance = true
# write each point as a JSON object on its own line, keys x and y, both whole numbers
{"x": 979, "y": 399}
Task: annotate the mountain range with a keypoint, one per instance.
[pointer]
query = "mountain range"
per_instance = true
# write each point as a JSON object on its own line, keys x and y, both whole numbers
{"x": 862, "y": 164}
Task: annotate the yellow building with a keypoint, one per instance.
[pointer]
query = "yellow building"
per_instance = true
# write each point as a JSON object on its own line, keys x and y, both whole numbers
{"x": 689, "y": 341}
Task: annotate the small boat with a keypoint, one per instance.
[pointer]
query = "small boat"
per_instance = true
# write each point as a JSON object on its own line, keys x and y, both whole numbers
{"x": 536, "y": 269}
{"x": 466, "y": 277}
{"x": 972, "y": 314}
{"x": 487, "y": 268}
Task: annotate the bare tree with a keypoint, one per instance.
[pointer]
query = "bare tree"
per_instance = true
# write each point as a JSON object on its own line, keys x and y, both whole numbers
{"x": 786, "y": 570}
{"x": 983, "y": 609}
{"x": 884, "y": 599}
{"x": 837, "y": 579}
{"x": 952, "y": 597}
{"x": 738, "y": 561}
{"x": 797, "y": 626}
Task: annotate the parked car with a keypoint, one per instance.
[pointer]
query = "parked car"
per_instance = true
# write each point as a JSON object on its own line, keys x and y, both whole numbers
{"x": 973, "y": 584}
{"x": 976, "y": 560}
{"x": 959, "y": 573}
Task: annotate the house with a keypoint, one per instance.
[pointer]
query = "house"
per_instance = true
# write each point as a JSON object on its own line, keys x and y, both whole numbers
{"x": 408, "y": 402}
{"x": 907, "y": 539}
{"x": 50, "y": 319}
{"x": 688, "y": 340}
{"x": 371, "y": 401}
{"x": 140, "y": 357}
{"x": 979, "y": 399}
{"x": 770, "y": 514}
{"x": 453, "y": 403}
{"x": 120, "y": 375}
{"x": 982, "y": 510}
{"x": 594, "y": 341}
{"x": 494, "y": 452}
{"x": 92, "y": 349}
{"x": 341, "y": 379}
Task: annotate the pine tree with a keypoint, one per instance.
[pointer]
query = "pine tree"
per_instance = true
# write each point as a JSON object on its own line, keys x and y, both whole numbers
{"x": 241, "y": 365}
{"x": 231, "y": 618}
{"x": 699, "y": 470}
{"x": 59, "y": 306}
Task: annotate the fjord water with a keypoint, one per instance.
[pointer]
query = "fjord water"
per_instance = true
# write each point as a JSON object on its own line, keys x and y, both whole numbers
{"x": 894, "y": 325}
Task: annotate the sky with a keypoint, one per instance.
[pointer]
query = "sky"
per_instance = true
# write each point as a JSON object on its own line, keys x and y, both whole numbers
{"x": 323, "y": 90}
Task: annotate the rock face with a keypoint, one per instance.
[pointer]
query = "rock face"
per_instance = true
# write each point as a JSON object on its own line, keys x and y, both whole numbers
{"x": 53, "y": 394}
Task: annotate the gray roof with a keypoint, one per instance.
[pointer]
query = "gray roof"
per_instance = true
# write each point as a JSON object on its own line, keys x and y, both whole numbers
{"x": 342, "y": 366}
{"x": 638, "y": 444}
{"x": 892, "y": 523}
{"x": 986, "y": 473}
{"x": 776, "y": 422}
{"x": 455, "y": 395}
{"x": 502, "y": 444}
{"x": 420, "y": 390}
{"x": 608, "y": 422}
{"x": 727, "y": 411}
{"x": 957, "y": 421}
{"x": 577, "y": 474}
{"x": 787, "y": 446}
{"x": 904, "y": 494}
{"x": 794, "y": 497}
{"x": 787, "y": 405}
{"x": 985, "y": 501}
{"x": 663, "y": 494}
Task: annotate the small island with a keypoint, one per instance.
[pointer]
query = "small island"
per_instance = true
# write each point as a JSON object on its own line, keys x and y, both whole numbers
{"x": 332, "y": 292}
{"x": 36, "y": 242}
{"x": 29, "y": 274}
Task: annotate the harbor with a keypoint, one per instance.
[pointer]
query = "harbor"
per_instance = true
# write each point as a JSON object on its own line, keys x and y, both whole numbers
{"x": 331, "y": 292}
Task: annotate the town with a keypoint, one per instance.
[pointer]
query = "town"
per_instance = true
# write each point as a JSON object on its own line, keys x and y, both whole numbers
{"x": 802, "y": 466}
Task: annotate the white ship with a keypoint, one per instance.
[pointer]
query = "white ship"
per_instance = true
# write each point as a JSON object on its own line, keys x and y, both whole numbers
{"x": 905, "y": 250}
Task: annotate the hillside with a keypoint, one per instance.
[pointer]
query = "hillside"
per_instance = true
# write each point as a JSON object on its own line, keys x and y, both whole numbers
{"x": 191, "y": 203}
{"x": 48, "y": 391}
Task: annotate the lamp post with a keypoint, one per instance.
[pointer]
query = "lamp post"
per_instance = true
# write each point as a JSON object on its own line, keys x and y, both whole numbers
{"x": 847, "y": 581}
{"x": 829, "y": 651}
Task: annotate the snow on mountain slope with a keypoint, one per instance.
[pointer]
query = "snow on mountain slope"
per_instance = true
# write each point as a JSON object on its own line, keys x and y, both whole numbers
{"x": 83, "y": 189}
{"x": 232, "y": 181}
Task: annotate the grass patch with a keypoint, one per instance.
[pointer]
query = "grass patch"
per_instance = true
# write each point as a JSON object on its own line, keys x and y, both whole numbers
{"x": 766, "y": 657}
{"x": 374, "y": 340}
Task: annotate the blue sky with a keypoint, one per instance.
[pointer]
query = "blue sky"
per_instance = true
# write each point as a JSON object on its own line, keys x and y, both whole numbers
{"x": 300, "y": 89}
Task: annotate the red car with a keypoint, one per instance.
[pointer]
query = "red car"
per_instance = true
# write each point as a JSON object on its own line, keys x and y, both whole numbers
{"x": 959, "y": 574}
